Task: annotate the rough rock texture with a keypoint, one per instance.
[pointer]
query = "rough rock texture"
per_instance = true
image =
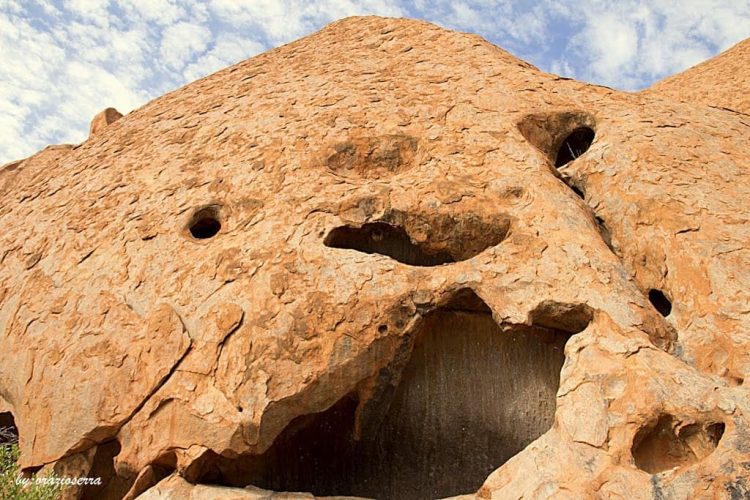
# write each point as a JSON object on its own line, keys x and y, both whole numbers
{"x": 176, "y": 488}
{"x": 723, "y": 81}
{"x": 386, "y": 240}
{"x": 102, "y": 119}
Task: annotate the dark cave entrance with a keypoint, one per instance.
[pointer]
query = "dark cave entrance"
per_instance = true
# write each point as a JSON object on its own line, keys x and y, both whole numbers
{"x": 574, "y": 145}
{"x": 8, "y": 429}
{"x": 385, "y": 239}
{"x": 454, "y": 238}
{"x": 469, "y": 397}
{"x": 660, "y": 302}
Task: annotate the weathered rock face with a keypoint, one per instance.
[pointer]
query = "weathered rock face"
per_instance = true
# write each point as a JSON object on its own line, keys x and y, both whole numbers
{"x": 387, "y": 260}
{"x": 722, "y": 82}
{"x": 102, "y": 120}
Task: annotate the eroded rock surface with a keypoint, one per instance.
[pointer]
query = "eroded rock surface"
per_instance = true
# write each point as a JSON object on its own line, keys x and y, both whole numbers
{"x": 722, "y": 81}
{"x": 102, "y": 120}
{"x": 386, "y": 243}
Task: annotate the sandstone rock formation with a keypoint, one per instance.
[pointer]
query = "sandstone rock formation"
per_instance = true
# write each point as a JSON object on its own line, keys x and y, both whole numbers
{"x": 387, "y": 260}
{"x": 102, "y": 119}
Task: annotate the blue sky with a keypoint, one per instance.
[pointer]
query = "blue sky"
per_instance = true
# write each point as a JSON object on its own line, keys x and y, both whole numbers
{"x": 65, "y": 60}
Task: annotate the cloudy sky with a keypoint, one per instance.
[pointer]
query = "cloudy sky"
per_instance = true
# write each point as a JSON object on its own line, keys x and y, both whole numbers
{"x": 65, "y": 60}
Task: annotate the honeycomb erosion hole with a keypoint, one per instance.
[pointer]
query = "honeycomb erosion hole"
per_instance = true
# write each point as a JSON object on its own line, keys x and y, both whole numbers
{"x": 561, "y": 136}
{"x": 574, "y": 145}
{"x": 385, "y": 239}
{"x": 660, "y": 302}
{"x": 666, "y": 444}
{"x": 457, "y": 239}
{"x": 205, "y": 224}
{"x": 469, "y": 397}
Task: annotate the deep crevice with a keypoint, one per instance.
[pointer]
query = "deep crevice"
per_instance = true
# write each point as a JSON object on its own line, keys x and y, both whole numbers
{"x": 577, "y": 185}
{"x": 660, "y": 302}
{"x": 164, "y": 466}
{"x": 577, "y": 190}
{"x": 469, "y": 397}
{"x": 666, "y": 443}
{"x": 605, "y": 233}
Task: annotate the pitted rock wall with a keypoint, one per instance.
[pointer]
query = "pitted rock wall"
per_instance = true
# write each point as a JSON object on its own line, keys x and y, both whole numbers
{"x": 119, "y": 324}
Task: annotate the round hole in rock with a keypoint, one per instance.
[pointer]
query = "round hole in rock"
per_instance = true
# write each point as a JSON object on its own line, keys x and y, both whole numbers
{"x": 660, "y": 302}
{"x": 668, "y": 444}
{"x": 574, "y": 145}
{"x": 467, "y": 398}
{"x": 205, "y": 224}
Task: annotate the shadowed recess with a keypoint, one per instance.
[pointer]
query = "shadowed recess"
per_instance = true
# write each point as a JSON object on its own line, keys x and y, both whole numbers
{"x": 205, "y": 223}
{"x": 570, "y": 318}
{"x": 103, "y": 466}
{"x": 385, "y": 239}
{"x": 448, "y": 238}
{"x": 8, "y": 429}
{"x": 574, "y": 145}
{"x": 466, "y": 398}
{"x": 660, "y": 302}
{"x": 561, "y": 136}
{"x": 374, "y": 157}
{"x": 667, "y": 443}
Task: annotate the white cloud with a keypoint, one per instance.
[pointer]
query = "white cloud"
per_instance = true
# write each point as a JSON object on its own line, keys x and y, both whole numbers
{"x": 93, "y": 11}
{"x": 181, "y": 42}
{"x": 160, "y": 12}
{"x": 611, "y": 43}
{"x": 630, "y": 43}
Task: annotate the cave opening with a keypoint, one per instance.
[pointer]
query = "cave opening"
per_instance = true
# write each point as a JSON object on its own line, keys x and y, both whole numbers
{"x": 574, "y": 145}
{"x": 449, "y": 238}
{"x": 660, "y": 302}
{"x": 385, "y": 239}
{"x": 468, "y": 397}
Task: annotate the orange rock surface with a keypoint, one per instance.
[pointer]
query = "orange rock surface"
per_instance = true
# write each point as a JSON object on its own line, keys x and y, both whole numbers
{"x": 388, "y": 260}
{"x": 722, "y": 82}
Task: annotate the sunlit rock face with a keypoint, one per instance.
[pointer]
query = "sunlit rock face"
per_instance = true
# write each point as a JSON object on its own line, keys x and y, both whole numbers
{"x": 387, "y": 260}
